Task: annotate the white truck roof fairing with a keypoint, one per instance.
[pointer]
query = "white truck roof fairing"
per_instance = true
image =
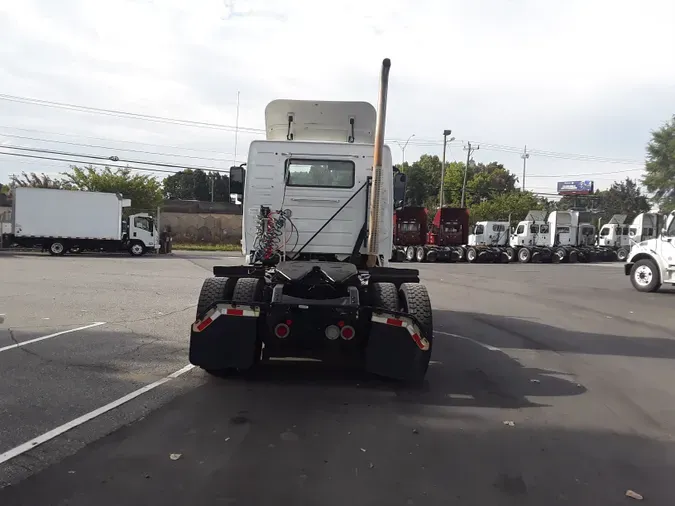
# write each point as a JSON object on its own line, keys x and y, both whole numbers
{"x": 311, "y": 120}
{"x": 536, "y": 216}
{"x": 617, "y": 219}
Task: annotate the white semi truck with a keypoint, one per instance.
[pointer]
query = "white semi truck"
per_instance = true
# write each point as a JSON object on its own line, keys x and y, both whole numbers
{"x": 318, "y": 209}
{"x": 651, "y": 263}
{"x": 620, "y": 237}
{"x": 489, "y": 242}
{"x": 60, "y": 221}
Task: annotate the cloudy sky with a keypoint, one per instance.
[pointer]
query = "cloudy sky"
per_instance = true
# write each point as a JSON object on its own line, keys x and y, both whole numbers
{"x": 579, "y": 77}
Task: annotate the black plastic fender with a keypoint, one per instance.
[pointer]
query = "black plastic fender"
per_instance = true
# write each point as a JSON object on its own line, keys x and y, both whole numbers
{"x": 227, "y": 342}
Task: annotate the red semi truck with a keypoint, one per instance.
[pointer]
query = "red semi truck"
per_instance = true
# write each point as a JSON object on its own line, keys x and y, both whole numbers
{"x": 443, "y": 241}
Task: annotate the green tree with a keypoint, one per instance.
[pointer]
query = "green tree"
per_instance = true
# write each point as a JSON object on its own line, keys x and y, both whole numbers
{"x": 514, "y": 205}
{"x": 4, "y": 189}
{"x": 424, "y": 180}
{"x": 34, "y": 180}
{"x": 144, "y": 190}
{"x": 660, "y": 166}
{"x": 196, "y": 185}
{"x": 624, "y": 197}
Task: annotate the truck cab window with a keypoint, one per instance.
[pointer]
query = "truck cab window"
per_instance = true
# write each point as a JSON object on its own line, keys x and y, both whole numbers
{"x": 604, "y": 231}
{"x": 543, "y": 229}
{"x": 520, "y": 229}
{"x": 498, "y": 228}
{"x": 534, "y": 229}
{"x": 671, "y": 229}
{"x": 320, "y": 173}
{"x": 142, "y": 223}
{"x": 479, "y": 230}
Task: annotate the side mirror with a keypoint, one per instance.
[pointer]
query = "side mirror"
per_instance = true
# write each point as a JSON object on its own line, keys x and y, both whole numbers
{"x": 400, "y": 185}
{"x": 664, "y": 231}
{"x": 237, "y": 180}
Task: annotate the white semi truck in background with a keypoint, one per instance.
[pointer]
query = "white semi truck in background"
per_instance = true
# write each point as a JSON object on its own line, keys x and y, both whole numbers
{"x": 651, "y": 263}
{"x": 62, "y": 221}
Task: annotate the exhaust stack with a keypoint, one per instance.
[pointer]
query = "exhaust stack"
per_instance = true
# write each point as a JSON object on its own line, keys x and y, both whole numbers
{"x": 376, "y": 190}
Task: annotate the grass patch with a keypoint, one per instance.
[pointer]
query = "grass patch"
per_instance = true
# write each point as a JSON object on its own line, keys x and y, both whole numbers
{"x": 205, "y": 247}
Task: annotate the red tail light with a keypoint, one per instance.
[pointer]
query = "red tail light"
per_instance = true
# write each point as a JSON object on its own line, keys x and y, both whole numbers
{"x": 282, "y": 330}
{"x": 347, "y": 333}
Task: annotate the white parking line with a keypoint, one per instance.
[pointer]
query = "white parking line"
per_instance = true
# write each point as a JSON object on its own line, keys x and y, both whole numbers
{"x": 486, "y": 346}
{"x": 29, "y": 445}
{"x": 24, "y": 343}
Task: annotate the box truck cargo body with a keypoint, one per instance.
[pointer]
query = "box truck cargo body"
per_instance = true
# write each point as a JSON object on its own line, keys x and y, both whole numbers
{"x": 65, "y": 220}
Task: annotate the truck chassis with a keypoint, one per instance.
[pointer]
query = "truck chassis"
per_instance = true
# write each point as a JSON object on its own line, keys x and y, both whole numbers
{"x": 379, "y": 318}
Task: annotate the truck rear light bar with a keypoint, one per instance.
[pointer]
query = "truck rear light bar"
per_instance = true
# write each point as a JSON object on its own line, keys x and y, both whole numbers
{"x": 403, "y": 322}
{"x": 227, "y": 310}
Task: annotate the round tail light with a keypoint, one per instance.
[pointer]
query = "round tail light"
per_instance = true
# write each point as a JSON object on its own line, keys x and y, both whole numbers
{"x": 347, "y": 333}
{"x": 282, "y": 330}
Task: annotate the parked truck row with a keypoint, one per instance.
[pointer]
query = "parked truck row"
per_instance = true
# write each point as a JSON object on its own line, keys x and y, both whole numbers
{"x": 62, "y": 221}
{"x": 563, "y": 236}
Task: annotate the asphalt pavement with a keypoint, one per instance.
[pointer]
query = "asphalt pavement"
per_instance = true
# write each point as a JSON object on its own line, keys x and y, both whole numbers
{"x": 550, "y": 384}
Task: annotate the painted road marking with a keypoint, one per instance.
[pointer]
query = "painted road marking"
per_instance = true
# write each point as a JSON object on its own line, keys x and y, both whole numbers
{"x": 486, "y": 346}
{"x": 24, "y": 343}
{"x": 29, "y": 445}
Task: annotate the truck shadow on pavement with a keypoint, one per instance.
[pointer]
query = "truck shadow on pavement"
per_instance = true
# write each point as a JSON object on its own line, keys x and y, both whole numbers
{"x": 515, "y": 333}
{"x": 462, "y": 373}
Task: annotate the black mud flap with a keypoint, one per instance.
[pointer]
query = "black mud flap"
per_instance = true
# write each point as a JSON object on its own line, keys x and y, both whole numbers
{"x": 396, "y": 348}
{"x": 226, "y": 337}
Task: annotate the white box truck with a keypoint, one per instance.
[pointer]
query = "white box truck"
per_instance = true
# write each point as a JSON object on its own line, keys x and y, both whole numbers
{"x": 65, "y": 220}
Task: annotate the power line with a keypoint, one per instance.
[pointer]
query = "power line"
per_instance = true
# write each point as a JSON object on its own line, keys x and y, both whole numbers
{"x": 83, "y": 162}
{"x": 111, "y": 158}
{"x": 115, "y": 149}
{"x": 112, "y": 140}
{"x": 126, "y": 114}
{"x": 235, "y": 128}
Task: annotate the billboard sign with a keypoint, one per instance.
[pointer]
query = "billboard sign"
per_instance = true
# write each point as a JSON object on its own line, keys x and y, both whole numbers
{"x": 575, "y": 187}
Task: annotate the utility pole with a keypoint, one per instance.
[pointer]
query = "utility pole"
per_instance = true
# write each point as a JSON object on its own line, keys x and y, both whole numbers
{"x": 445, "y": 143}
{"x": 524, "y": 156}
{"x": 469, "y": 151}
{"x": 213, "y": 176}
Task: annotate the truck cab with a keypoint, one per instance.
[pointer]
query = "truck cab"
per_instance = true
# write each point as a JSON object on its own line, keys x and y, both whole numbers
{"x": 614, "y": 233}
{"x": 651, "y": 263}
{"x": 645, "y": 226}
{"x": 532, "y": 231}
{"x": 490, "y": 233}
{"x": 142, "y": 228}
{"x": 315, "y": 164}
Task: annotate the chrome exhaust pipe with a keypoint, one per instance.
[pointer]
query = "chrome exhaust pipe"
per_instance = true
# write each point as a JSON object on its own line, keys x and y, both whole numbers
{"x": 376, "y": 189}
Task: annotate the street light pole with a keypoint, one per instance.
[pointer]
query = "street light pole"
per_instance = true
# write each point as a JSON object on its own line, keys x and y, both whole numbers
{"x": 404, "y": 146}
{"x": 445, "y": 143}
{"x": 524, "y": 156}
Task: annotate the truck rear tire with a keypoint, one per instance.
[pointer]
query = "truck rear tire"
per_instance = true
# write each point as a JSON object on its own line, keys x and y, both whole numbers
{"x": 247, "y": 291}
{"x": 524, "y": 255}
{"x": 213, "y": 290}
{"x": 415, "y": 300}
{"x": 645, "y": 276}
{"x": 409, "y": 254}
{"x": 57, "y": 248}
{"x": 621, "y": 254}
{"x": 510, "y": 254}
{"x": 419, "y": 254}
{"x": 384, "y": 296}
